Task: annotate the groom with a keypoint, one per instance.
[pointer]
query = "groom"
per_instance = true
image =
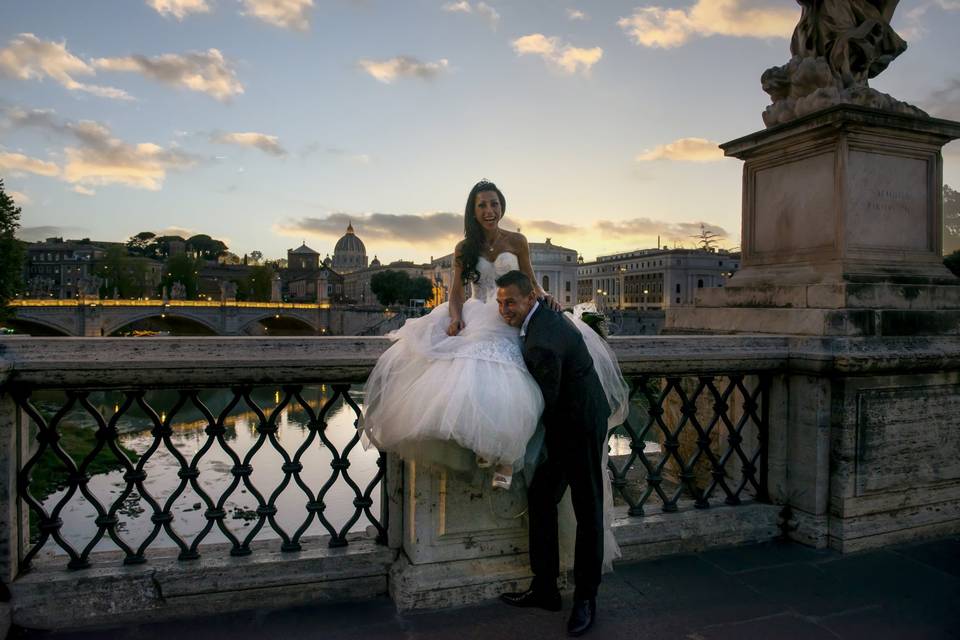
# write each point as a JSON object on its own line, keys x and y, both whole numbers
{"x": 575, "y": 424}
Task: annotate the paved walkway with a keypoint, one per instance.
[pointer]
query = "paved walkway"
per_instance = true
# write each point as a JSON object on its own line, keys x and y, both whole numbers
{"x": 765, "y": 592}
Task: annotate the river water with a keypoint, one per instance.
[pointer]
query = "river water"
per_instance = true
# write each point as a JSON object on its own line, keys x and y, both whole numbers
{"x": 215, "y": 466}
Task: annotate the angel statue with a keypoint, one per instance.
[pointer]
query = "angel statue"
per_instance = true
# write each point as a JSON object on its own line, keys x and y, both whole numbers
{"x": 837, "y": 46}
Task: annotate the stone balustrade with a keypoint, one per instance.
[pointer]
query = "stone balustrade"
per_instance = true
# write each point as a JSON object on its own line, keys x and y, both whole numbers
{"x": 847, "y": 442}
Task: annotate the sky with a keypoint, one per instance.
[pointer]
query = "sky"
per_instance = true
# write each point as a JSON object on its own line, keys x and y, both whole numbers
{"x": 267, "y": 123}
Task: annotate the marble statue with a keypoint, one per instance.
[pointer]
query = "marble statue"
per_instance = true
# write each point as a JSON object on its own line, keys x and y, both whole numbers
{"x": 837, "y": 46}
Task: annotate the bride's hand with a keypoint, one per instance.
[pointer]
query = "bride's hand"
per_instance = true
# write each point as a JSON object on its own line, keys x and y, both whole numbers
{"x": 455, "y": 327}
{"x": 551, "y": 302}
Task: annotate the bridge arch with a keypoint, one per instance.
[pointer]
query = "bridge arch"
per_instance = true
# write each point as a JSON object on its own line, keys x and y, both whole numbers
{"x": 26, "y": 321}
{"x": 113, "y": 325}
{"x": 278, "y": 315}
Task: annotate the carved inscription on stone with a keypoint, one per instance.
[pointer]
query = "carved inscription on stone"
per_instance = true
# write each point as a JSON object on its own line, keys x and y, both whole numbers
{"x": 907, "y": 438}
{"x": 888, "y": 202}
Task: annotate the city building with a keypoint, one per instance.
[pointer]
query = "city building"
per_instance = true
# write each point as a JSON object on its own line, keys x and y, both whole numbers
{"x": 555, "y": 268}
{"x": 307, "y": 279}
{"x": 356, "y": 284}
{"x": 58, "y": 268}
{"x": 349, "y": 254}
{"x": 650, "y": 279}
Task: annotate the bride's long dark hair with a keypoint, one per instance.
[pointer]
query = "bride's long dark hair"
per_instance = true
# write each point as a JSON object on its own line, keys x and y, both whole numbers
{"x": 473, "y": 237}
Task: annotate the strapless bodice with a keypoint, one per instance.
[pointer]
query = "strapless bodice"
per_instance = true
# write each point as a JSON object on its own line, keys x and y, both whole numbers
{"x": 485, "y": 289}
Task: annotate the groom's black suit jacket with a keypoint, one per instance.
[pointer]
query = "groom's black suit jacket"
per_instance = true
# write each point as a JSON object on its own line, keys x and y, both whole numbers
{"x": 575, "y": 430}
{"x": 557, "y": 358}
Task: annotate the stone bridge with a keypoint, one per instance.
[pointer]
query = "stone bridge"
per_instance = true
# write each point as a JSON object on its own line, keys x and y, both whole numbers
{"x": 107, "y": 317}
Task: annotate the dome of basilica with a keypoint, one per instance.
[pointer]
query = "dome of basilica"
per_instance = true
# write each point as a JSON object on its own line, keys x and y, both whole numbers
{"x": 349, "y": 254}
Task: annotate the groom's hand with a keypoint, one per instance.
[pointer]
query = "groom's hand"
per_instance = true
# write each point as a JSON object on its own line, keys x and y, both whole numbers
{"x": 455, "y": 327}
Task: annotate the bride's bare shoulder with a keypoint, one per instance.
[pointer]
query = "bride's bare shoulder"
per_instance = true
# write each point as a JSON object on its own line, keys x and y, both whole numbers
{"x": 516, "y": 240}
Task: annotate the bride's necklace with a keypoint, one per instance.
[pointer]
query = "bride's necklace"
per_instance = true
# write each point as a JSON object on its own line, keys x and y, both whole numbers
{"x": 489, "y": 246}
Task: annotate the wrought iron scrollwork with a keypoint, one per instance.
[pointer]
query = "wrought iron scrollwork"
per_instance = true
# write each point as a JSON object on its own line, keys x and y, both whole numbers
{"x": 49, "y": 525}
{"x": 707, "y": 435}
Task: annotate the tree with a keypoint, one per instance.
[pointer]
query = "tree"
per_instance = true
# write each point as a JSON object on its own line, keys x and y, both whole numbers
{"x": 951, "y": 220}
{"x": 185, "y": 270}
{"x": 122, "y": 274}
{"x": 420, "y": 289}
{"x": 206, "y": 247}
{"x": 259, "y": 284}
{"x": 256, "y": 256}
{"x": 11, "y": 250}
{"x": 706, "y": 239}
{"x": 142, "y": 244}
{"x": 390, "y": 286}
{"x": 161, "y": 245}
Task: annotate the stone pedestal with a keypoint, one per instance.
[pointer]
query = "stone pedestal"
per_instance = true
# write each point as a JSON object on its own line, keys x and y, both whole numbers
{"x": 841, "y": 242}
{"x": 842, "y": 226}
{"x": 463, "y": 541}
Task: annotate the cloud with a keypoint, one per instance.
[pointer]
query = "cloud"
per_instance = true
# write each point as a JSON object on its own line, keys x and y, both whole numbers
{"x": 458, "y": 7}
{"x": 683, "y": 232}
{"x": 17, "y": 162}
{"x": 288, "y": 14}
{"x": 914, "y": 27}
{"x": 548, "y": 227}
{"x": 565, "y": 57}
{"x": 412, "y": 229}
{"x": 42, "y": 232}
{"x": 576, "y": 14}
{"x": 109, "y": 160}
{"x": 20, "y": 198}
{"x": 179, "y": 9}
{"x": 482, "y": 9}
{"x": 204, "y": 71}
{"x": 684, "y": 150}
{"x": 387, "y": 71}
{"x": 82, "y": 190}
{"x": 654, "y": 26}
{"x": 176, "y": 231}
{"x": 945, "y": 102}
{"x": 95, "y": 157}
{"x": 27, "y": 57}
{"x": 266, "y": 143}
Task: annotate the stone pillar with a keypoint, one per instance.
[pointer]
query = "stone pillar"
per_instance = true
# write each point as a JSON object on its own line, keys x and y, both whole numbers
{"x": 275, "y": 286}
{"x": 90, "y": 320}
{"x": 463, "y": 541}
{"x": 13, "y": 518}
{"x": 841, "y": 243}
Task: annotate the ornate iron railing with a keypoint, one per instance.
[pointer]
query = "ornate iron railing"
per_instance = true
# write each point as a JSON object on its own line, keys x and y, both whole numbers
{"x": 48, "y": 525}
{"x": 697, "y": 435}
{"x": 713, "y": 443}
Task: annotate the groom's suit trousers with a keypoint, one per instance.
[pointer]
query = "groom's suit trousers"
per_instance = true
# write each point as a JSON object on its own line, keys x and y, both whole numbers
{"x": 573, "y": 462}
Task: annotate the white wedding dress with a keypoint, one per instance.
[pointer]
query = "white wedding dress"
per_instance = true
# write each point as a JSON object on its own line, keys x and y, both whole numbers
{"x": 429, "y": 390}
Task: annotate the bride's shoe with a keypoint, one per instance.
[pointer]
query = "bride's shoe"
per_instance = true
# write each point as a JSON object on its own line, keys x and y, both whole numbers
{"x": 502, "y": 476}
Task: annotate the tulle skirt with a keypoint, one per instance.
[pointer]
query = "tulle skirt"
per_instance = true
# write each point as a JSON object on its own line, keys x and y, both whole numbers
{"x": 471, "y": 389}
{"x": 443, "y": 399}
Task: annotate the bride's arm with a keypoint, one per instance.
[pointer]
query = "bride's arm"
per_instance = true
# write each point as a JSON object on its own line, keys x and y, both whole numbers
{"x": 523, "y": 257}
{"x": 457, "y": 296}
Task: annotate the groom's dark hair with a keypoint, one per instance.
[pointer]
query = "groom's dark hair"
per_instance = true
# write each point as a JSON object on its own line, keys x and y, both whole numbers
{"x": 517, "y": 278}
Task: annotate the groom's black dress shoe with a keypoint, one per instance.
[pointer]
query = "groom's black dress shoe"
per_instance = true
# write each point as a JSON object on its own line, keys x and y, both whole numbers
{"x": 581, "y": 617}
{"x": 530, "y": 598}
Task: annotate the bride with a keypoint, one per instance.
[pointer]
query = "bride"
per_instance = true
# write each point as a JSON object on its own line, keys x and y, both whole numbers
{"x": 457, "y": 374}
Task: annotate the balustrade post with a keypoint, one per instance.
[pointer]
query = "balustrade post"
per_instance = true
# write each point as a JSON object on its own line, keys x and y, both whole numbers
{"x": 14, "y": 521}
{"x": 463, "y": 541}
